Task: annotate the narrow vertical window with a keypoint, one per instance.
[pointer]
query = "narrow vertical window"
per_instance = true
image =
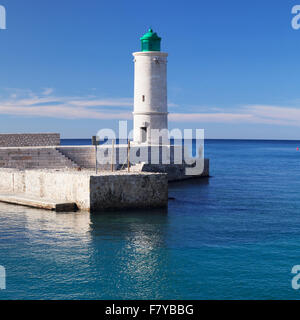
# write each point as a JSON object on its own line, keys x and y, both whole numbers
{"x": 143, "y": 98}
{"x": 143, "y": 134}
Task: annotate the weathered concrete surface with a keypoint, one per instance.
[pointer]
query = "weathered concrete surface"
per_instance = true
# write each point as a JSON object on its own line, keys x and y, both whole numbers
{"x": 66, "y": 186}
{"x": 29, "y": 139}
{"x": 25, "y": 200}
{"x": 136, "y": 190}
{"x": 89, "y": 191}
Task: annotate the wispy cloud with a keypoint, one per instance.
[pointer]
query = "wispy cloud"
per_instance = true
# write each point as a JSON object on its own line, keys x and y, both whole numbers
{"x": 275, "y": 114}
{"x": 210, "y": 117}
{"x": 19, "y": 102}
{"x": 45, "y": 104}
{"x": 259, "y": 114}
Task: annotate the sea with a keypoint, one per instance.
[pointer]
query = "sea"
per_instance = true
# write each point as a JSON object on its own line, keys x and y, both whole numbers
{"x": 235, "y": 235}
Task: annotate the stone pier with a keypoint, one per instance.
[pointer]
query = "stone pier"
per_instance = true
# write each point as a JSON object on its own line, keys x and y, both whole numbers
{"x": 90, "y": 192}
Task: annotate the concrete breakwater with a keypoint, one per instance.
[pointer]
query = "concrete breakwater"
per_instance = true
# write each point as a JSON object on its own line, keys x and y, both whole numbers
{"x": 59, "y": 178}
{"x": 90, "y": 192}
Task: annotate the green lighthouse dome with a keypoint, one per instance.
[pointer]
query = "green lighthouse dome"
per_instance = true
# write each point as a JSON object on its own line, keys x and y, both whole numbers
{"x": 150, "y": 41}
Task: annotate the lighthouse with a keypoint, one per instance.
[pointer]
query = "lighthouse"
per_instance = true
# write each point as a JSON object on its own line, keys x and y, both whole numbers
{"x": 150, "y": 91}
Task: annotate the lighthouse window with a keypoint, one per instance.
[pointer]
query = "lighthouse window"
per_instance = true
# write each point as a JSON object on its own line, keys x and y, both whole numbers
{"x": 143, "y": 98}
{"x": 144, "y": 134}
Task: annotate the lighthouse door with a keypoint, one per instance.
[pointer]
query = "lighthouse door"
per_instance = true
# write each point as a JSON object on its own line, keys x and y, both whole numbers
{"x": 143, "y": 134}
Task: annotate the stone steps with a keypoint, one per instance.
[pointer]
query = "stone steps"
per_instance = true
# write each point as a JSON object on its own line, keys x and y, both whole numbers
{"x": 35, "y": 158}
{"x": 83, "y": 156}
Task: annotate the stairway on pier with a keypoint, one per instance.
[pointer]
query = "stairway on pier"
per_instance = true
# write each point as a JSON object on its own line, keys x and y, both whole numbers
{"x": 34, "y": 158}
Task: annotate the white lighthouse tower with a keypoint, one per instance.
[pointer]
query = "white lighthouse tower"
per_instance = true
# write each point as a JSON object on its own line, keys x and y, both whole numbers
{"x": 150, "y": 91}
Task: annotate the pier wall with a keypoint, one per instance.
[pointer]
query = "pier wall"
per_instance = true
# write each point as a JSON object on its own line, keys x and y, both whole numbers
{"x": 29, "y": 140}
{"x": 89, "y": 192}
{"x": 135, "y": 190}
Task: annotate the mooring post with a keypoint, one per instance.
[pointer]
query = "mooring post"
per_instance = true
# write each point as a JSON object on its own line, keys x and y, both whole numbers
{"x": 96, "y": 159}
{"x": 128, "y": 156}
{"x": 94, "y": 141}
{"x": 112, "y": 155}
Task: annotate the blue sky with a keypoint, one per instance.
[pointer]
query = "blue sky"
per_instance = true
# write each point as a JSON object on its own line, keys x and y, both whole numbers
{"x": 67, "y": 66}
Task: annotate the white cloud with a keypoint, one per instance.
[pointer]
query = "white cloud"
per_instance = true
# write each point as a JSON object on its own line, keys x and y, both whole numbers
{"x": 210, "y": 117}
{"x": 21, "y": 102}
{"x": 259, "y": 114}
{"x": 275, "y": 114}
{"x": 27, "y": 103}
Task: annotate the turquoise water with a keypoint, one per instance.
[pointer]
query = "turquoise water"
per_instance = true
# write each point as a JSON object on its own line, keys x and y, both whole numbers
{"x": 233, "y": 236}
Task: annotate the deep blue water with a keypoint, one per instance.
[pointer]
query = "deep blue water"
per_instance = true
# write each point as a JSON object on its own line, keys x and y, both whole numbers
{"x": 233, "y": 236}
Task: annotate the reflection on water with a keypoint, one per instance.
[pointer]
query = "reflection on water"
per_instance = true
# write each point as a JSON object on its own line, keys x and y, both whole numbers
{"x": 137, "y": 243}
{"x": 42, "y": 220}
{"x": 107, "y": 255}
{"x": 78, "y": 223}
